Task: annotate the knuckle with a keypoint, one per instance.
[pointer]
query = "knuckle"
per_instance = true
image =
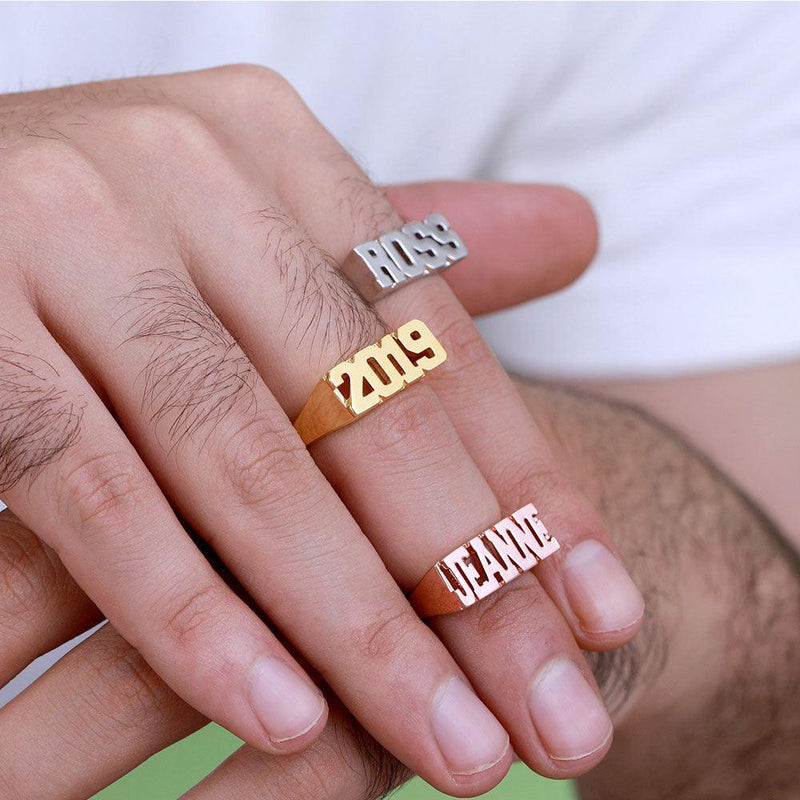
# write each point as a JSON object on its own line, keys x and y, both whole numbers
{"x": 385, "y": 634}
{"x": 255, "y": 81}
{"x": 266, "y": 464}
{"x": 563, "y": 507}
{"x": 313, "y": 772}
{"x": 200, "y": 613}
{"x": 124, "y": 689}
{"x": 522, "y": 481}
{"x": 382, "y": 772}
{"x": 27, "y": 575}
{"x": 409, "y": 413}
{"x": 412, "y": 426}
{"x": 163, "y": 127}
{"x": 514, "y": 609}
{"x": 461, "y": 337}
{"x": 102, "y": 493}
{"x": 304, "y": 774}
{"x": 55, "y": 181}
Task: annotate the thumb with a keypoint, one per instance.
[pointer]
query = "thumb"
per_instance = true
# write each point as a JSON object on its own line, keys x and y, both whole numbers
{"x": 525, "y": 240}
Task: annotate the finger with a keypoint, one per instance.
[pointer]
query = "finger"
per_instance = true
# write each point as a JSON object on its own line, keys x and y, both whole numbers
{"x": 71, "y": 475}
{"x": 563, "y": 223}
{"x": 584, "y": 578}
{"x": 41, "y": 606}
{"x": 482, "y": 404}
{"x": 228, "y": 458}
{"x": 403, "y": 471}
{"x": 602, "y": 615}
{"x": 593, "y": 592}
{"x": 345, "y": 763}
{"x": 92, "y": 717}
{"x": 525, "y": 240}
{"x": 107, "y": 712}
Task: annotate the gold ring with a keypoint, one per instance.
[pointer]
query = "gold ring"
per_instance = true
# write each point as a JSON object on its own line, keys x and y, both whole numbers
{"x": 484, "y": 564}
{"x": 363, "y": 381}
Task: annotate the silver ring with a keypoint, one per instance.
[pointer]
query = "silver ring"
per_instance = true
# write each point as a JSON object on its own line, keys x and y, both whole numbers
{"x": 418, "y": 249}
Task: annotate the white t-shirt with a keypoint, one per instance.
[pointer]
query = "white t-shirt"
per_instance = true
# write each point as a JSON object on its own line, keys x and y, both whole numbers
{"x": 681, "y": 122}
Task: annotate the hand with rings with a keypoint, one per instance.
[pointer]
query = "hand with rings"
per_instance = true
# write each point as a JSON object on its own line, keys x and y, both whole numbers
{"x": 180, "y": 278}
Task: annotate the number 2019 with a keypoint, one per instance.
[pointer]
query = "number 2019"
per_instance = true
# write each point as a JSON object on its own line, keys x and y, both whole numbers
{"x": 387, "y": 367}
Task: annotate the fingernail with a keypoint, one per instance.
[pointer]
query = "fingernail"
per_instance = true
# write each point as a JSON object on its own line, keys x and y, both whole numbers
{"x": 569, "y": 717}
{"x": 469, "y": 737}
{"x": 285, "y": 703}
{"x": 600, "y": 591}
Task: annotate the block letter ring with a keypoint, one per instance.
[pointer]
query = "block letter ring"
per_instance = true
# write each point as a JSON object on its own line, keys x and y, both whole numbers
{"x": 418, "y": 249}
{"x": 484, "y": 564}
{"x": 373, "y": 374}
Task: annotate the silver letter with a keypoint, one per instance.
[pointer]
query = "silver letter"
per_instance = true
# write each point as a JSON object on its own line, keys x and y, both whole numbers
{"x": 386, "y": 272}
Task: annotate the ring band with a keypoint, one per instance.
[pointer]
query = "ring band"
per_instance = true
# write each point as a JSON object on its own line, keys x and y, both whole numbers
{"x": 363, "y": 381}
{"x": 484, "y": 564}
{"x": 382, "y": 265}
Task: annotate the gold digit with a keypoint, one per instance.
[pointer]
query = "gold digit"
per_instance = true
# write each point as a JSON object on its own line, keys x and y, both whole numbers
{"x": 417, "y": 339}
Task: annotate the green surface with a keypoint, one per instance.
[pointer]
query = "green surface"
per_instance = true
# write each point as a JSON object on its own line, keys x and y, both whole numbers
{"x": 169, "y": 774}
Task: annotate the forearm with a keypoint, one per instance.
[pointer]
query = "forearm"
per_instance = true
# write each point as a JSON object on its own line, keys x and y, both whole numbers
{"x": 705, "y": 699}
{"x": 745, "y": 420}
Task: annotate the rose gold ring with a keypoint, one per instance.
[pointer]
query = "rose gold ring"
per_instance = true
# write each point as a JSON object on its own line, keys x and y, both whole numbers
{"x": 484, "y": 564}
{"x": 362, "y": 382}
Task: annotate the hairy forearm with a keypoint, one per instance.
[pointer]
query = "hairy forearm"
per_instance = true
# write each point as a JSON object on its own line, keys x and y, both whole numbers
{"x": 706, "y": 698}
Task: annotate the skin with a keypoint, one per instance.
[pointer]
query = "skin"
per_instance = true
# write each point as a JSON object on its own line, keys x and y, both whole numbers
{"x": 704, "y": 705}
{"x": 711, "y": 695}
{"x": 756, "y": 440}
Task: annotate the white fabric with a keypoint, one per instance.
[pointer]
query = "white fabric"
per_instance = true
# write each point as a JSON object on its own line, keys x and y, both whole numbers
{"x": 680, "y": 121}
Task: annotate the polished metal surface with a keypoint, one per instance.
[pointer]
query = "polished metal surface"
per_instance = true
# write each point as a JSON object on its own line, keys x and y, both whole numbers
{"x": 368, "y": 378}
{"x": 381, "y": 265}
{"x": 484, "y": 564}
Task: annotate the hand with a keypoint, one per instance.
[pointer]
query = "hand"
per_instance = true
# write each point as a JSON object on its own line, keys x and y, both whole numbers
{"x": 143, "y": 222}
{"x": 125, "y": 711}
{"x": 682, "y": 730}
